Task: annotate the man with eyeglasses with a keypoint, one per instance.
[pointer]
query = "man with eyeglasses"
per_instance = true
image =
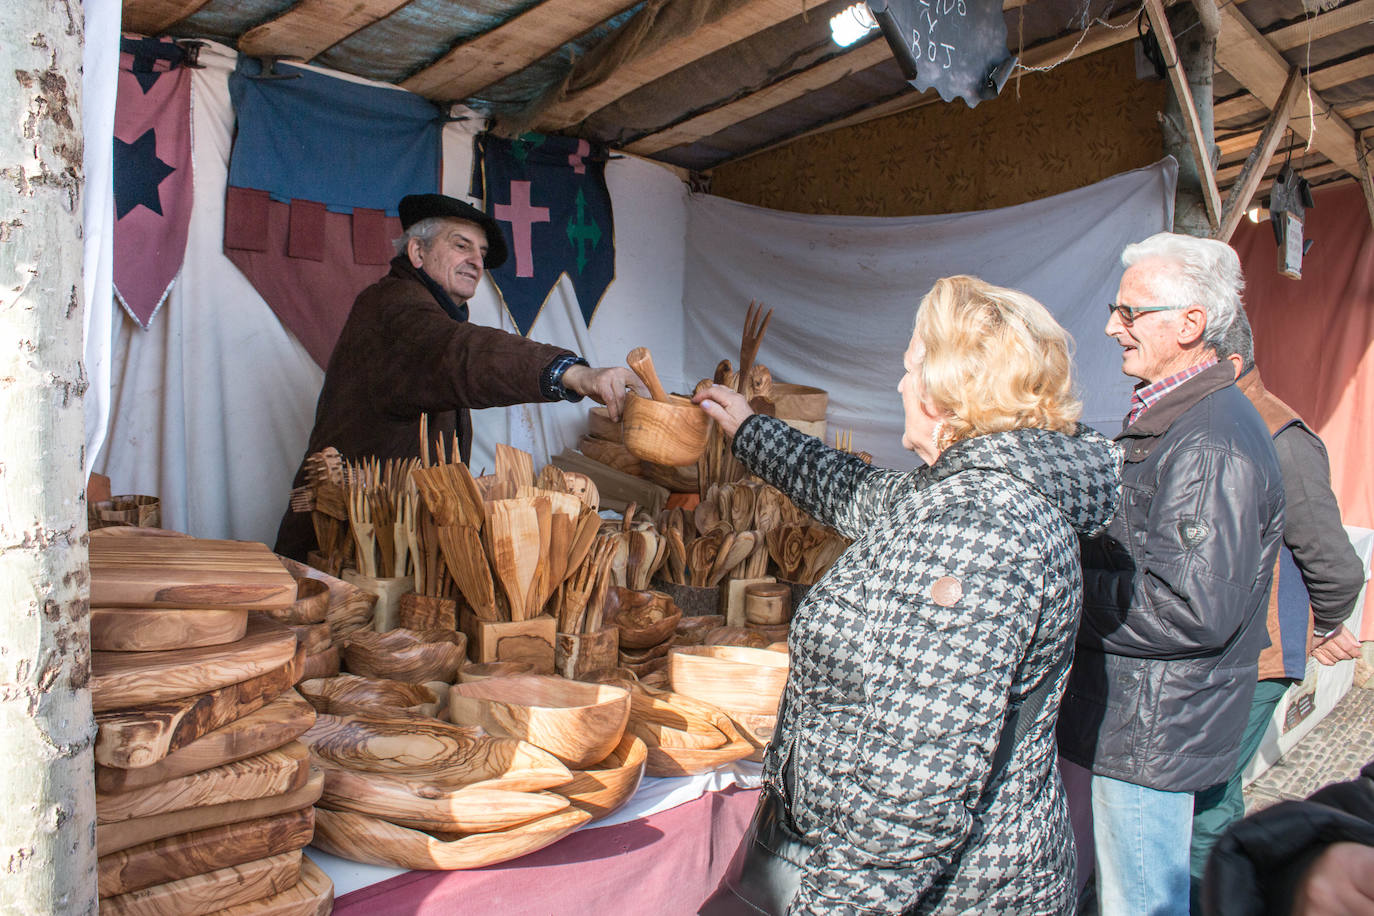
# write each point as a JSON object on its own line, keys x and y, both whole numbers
{"x": 1175, "y": 590}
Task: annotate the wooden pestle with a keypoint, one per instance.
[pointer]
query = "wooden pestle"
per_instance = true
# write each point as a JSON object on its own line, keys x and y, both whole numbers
{"x": 642, "y": 362}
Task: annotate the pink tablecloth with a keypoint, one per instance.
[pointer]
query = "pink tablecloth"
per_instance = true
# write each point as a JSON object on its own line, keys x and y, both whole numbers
{"x": 663, "y": 864}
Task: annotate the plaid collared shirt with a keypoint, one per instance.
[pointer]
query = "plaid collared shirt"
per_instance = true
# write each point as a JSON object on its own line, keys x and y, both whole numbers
{"x": 1146, "y": 396}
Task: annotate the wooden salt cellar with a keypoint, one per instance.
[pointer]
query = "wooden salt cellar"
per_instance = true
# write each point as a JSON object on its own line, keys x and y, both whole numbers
{"x": 530, "y": 641}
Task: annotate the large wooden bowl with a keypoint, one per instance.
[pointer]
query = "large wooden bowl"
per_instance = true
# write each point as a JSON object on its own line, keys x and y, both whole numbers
{"x": 609, "y": 784}
{"x": 414, "y": 656}
{"x": 578, "y": 723}
{"x": 311, "y": 604}
{"x": 644, "y": 618}
{"x": 684, "y": 736}
{"x": 481, "y": 671}
{"x": 432, "y": 751}
{"x": 349, "y": 693}
{"x": 672, "y": 433}
{"x": 377, "y": 842}
{"x": 731, "y": 678}
{"x": 429, "y": 805}
{"x": 692, "y": 631}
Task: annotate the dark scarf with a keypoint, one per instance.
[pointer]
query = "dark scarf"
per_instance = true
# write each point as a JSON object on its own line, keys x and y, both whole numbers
{"x": 458, "y": 311}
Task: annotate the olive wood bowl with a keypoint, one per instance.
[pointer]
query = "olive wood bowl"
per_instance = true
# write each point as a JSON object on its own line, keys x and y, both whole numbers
{"x": 605, "y": 786}
{"x": 377, "y": 842}
{"x": 311, "y": 604}
{"x": 731, "y": 678}
{"x": 414, "y": 656}
{"x": 577, "y": 722}
{"x": 672, "y": 432}
{"x": 480, "y": 671}
{"x": 349, "y": 693}
{"x": 441, "y": 752}
{"x": 692, "y": 631}
{"x": 644, "y": 618}
{"x": 684, "y": 736}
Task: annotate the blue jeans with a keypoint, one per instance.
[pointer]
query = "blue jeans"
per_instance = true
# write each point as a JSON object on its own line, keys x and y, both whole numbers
{"x": 1140, "y": 838}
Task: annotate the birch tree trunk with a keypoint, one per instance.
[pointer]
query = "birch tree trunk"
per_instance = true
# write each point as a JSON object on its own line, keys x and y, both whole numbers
{"x": 47, "y": 791}
{"x": 1197, "y": 54}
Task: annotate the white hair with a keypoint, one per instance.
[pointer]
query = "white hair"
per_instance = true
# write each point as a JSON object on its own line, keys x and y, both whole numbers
{"x": 425, "y": 230}
{"x": 1207, "y": 273}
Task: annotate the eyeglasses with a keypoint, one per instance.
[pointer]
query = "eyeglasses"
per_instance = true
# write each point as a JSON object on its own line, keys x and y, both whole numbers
{"x": 1128, "y": 314}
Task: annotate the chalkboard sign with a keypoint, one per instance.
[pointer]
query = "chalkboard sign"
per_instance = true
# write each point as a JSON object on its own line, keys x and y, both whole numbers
{"x": 956, "y": 47}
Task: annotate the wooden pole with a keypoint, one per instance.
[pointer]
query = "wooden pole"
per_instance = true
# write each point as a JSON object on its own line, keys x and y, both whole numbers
{"x": 1258, "y": 161}
{"x": 47, "y": 794}
{"x": 1366, "y": 182}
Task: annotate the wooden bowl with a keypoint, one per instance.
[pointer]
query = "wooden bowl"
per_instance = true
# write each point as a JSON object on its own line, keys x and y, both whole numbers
{"x": 692, "y": 631}
{"x": 737, "y": 636}
{"x": 429, "y": 805}
{"x": 442, "y": 753}
{"x": 377, "y": 842}
{"x": 644, "y": 618}
{"x": 684, "y": 736}
{"x": 577, "y": 722}
{"x": 469, "y": 674}
{"x": 322, "y": 664}
{"x": 799, "y": 402}
{"x": 609, "y": 784}
{"x": 349, "y": 693}
{"x": 731, "y": 678}
{"x": 672, "y": 433}
{"x": 311, "y": 604}
{"x": 414, "y": 656}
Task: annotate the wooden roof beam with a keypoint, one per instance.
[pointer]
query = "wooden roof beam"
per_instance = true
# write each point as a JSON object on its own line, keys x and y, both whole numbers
{"x": 1322, "y": 25}
{"x": 740, "y": 23}
{"x": 1249, "y": 57}
{"x": 311, "y": 27}
{"x": 473, "y": 65}
{"x": 1046, "y": 54}
{"x": 150, "y": 17}
{"x": 1238, "y": 200}
{"x": 1366, "y": 183}
{"x": 1200, "y": 145}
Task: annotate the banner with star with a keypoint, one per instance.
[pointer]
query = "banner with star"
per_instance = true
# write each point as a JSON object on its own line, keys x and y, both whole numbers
{"x": 549, "y": 194}
{"x": 152, "y": 173}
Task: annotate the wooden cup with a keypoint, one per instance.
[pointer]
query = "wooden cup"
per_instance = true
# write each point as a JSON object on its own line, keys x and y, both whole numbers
{"x": 767, "y": 604}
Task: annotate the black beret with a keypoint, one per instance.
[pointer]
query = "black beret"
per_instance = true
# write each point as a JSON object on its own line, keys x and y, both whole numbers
{"x": 415, "y": 207}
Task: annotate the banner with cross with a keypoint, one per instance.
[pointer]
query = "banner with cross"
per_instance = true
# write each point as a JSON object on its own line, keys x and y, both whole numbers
{"x": 549, "y": 195}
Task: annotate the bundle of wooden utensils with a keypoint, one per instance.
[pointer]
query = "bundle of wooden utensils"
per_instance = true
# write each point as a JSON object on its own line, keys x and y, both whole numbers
{"x": 203, "y": 792}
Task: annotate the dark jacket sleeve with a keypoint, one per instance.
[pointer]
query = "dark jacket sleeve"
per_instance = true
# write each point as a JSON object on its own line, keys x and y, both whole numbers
{"x": 1312, "y": 528}
{"x": 434, "y": 363}
{"x": 1258, "y": 863}
{"x": 833, "y": 487}
{"x": 1186, "y": 592}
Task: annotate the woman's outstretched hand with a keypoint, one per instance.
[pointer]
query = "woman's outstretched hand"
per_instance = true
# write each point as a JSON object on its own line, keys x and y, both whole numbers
{"x": 724, "y": 405}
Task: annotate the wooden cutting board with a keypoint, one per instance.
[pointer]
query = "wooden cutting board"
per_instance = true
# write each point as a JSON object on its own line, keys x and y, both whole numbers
{"x": 284, "y": 719}
{"x": 125, "y": 834}
{"x": 187, "y": 573}
{"x": 155, "y": 629}
{"x": 200, "y": 851}
{"x": 313, "y": 895}
{"x": 211, "y": 891}
{"x": 142, "y": 737}
{"x": 272, "y": 773}
{"x": 121, "y": 680}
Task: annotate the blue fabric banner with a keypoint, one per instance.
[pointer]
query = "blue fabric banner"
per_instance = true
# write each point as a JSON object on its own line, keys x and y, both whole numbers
{"x": 549, "y": 193}
{"x": 319, "y": 138}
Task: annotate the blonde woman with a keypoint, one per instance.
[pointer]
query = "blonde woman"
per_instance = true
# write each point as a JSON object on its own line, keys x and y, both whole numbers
{"x": 914, "y": 759}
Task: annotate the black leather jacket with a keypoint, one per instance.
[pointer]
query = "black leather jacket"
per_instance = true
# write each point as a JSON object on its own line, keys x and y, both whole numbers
{"x": 1175, "y": 593}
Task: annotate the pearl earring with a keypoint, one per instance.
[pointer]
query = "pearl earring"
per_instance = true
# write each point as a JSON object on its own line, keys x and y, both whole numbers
{"x": 935, "y": 435}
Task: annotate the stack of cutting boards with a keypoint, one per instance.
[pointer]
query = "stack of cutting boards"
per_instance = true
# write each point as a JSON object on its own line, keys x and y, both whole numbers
{"x": 203, "y": 794}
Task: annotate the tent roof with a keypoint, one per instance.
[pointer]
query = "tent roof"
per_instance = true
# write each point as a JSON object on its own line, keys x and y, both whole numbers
{"x": 697, "y": 83}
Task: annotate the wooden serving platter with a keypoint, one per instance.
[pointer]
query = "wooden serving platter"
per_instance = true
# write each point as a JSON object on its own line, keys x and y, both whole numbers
{"x": 121, "y": 680}
{"x": 187, "y": 573}
{"x": 432, "y": 750}
{"x": 213, "y": 890}
{"x": 601, "y": 789}
{"x": 272, "y": 773}
{"x": 114, "y": 837}
{"x": 200, "y": 851}
{"x": 369, "y": 839}
{"x": 142, "y": 737}
{"x": 116, "y": 629}
{"x": 431, "y": 805}
{"x": 283, "y": 719}
{"x": 313, "y": 895}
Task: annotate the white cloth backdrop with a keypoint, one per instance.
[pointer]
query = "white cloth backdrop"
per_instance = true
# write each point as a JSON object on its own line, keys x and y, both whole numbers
{"x": 212, "y": 406}
{"x": 845, "y": 289}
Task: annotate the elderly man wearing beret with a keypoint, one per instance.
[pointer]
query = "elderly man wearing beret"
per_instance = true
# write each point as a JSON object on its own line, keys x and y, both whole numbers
{"x": 408, "y": 350}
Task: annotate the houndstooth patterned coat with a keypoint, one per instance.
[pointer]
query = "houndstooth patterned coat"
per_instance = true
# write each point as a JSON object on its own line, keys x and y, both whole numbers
{"x": 960, "y": 594}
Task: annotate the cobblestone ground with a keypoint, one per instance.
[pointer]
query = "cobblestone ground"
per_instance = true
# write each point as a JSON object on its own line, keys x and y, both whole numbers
{"x": 1334, "y": 751}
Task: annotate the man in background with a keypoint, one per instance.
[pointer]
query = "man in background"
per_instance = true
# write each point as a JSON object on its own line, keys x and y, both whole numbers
{"x": 1174, "y": 592}
{"x": 1317, "y": 580}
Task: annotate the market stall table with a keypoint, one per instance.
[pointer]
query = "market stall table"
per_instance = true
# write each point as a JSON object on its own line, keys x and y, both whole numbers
{"x": 662, "y": 853}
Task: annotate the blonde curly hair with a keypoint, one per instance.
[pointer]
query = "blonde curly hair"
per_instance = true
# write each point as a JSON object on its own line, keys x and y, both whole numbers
{"x": 995, "y": 360}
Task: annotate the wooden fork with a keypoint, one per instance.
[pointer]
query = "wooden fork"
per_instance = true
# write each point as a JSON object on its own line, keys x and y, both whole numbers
{"x": 755, "y": 324}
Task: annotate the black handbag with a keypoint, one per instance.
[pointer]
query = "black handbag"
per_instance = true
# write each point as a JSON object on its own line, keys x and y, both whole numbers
{"x": 766, "y": 869}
